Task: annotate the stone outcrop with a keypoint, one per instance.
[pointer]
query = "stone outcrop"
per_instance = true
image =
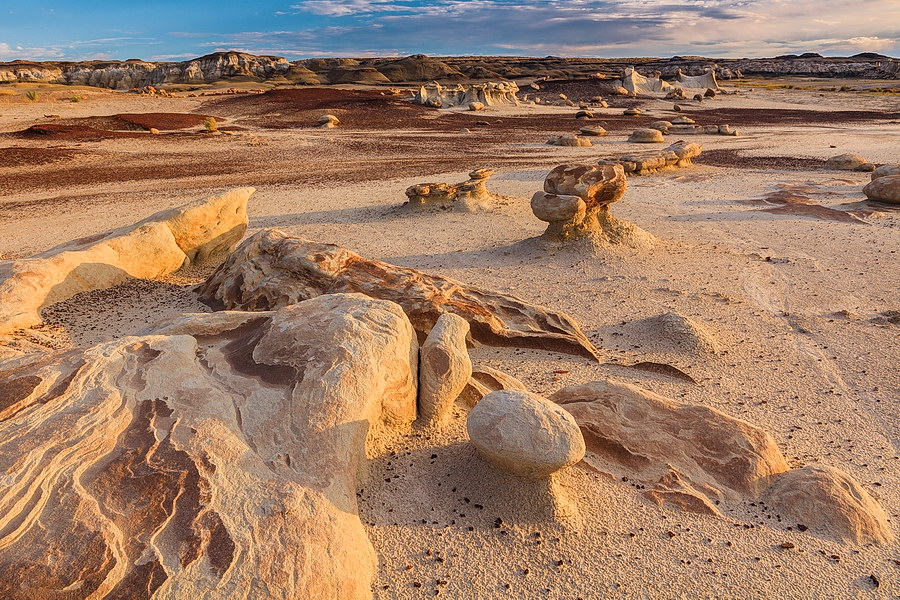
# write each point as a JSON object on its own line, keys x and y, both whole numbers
{"x": 884, "y": 189}
{"x": 468, "y": 196}
{"x": 272, "y": 269}
{"x": 444, "y": 368}
{"x": 678, "y": 155}
{"x": 687, "y": 455}
{"x": 487, "y": 94}
{"x": 216, "y": 457}
{"x": 524, "y": 434}
{"x": 704, "y": 461}
{"x": 162, "y": 243}
{"x": 576, "y": 203}
{"x": 830, "y": 503}
{"x": 849, "y": 162}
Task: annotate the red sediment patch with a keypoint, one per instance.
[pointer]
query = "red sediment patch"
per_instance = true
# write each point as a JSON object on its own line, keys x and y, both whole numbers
{"x": 775, "y": 116}
{"x": 731, "y": 158}
{"x": 140, "y": 121}
{"x": 17, "y": 156}
{"x": 73, "y": 132}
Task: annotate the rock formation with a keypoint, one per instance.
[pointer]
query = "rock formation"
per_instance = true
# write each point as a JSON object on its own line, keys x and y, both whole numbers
{"x": 884, "y": 170}
{"x": 485, "y": 380}
{"x": 576, "y": 202}
{"x": 328, "y": 121}
{"x": 592, "y": 131}
{"x": 678, "y": 155}
{"x": 487, "y": 94}
{"x": 272, "y": 269}
{"x": 444, "y": 368}
{"x": 646, "y": 136}
{"x": 162, "y": 243}
{"x": 569, "y": 140}
{"x": 849, "y": 162}
{"x": 884, "y": 189}
{"x": 704, "y": 461}
{"x": 830, "y": 503}
{"x": 218, "y": 456}
{"x": 468, "y": 196}
{"x": 524, "y": 434}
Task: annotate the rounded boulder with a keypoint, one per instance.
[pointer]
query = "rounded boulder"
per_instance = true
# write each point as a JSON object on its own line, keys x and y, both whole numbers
{"x": 647, "y": 136}
{"x": 884, "y": 189}
{"x": 524, "y": 434}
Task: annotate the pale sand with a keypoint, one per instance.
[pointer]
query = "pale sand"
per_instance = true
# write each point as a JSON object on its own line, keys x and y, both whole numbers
{"x": 794, "y": 303}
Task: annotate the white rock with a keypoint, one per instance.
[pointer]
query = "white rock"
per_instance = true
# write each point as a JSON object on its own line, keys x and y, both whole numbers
{"x": 444, "y": 368}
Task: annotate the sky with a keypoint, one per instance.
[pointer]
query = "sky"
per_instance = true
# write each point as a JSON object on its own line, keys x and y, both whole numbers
{"x": 160, "y": 30}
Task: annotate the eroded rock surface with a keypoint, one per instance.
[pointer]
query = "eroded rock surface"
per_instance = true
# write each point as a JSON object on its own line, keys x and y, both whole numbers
{"x": 444, "y": 368}
{"x": 691, "y": 456}
{"x": 487, "y": 94}
{"x": 678, "y": 155}
{"x": 884, "y": 189}
{"x": 524, "y": 434}
{"x": 272, "y": 269}
{"x": 162, "y": 243}
{"x": 849, "y": 162}
{"x": 485, "y": 380}
{"x": 468, "y": 196}
{"x": 217, "y": 457}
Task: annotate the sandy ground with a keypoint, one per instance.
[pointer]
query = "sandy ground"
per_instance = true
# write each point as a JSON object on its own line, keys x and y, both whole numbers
{"x": 800, "y": 308}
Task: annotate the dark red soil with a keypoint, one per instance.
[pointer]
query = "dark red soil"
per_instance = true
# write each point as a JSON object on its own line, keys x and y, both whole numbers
{"x": 775, "y": 116}
{"x": 72, "y": 132}
{"x": 22, "y": 157}
{"x": 141, "y": 121}
{"x": 731, "y": 158}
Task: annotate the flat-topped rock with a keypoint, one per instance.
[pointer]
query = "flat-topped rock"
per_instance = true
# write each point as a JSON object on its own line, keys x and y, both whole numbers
{"x": 592, "y": 131}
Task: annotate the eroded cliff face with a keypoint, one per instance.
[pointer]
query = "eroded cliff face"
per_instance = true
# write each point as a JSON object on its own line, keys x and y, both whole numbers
{"x": 420, "y": 68}
{"x": 135, "y": 73}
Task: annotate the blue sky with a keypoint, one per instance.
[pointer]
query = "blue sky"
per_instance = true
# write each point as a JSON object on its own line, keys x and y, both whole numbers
{"x": 180, "y": 29}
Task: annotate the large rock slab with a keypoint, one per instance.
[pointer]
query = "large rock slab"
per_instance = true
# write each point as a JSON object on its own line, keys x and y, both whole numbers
{"x": 217, "y": 458}
{"x": 524, "y": 434}
{"x": 162, "y": 243}
{"x": 688, "y": 455}
{"x": 272, "y": 269}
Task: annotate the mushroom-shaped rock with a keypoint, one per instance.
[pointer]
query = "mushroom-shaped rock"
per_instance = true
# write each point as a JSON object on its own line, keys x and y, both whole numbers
{"x": 444, "y": 368}
{"x": 328, "y": 121}
{"x": 660, "y": 125}
{"x": 631, "y": 112}
{"x": 524, "y": 434}
{"x": 646, "y": 136}
{"x": 593, "y": 131}
{"x": 558, "y": 208}
{"x": 884, "y": 189}
{"x": 849, "y": 162}
{"x": 568, "y": 140}
{"x": 831, "y": 503}
{"x": 885, "y": 170}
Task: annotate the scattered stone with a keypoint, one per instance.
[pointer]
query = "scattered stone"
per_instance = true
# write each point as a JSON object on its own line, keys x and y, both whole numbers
{"x": 632, "y": 112}
{"x": 272, "y": 269}
{"x": 698, "y": 98}
{"x": 677, "y": 108}
{"x": 524, "y": 434}
{"x": 830, "y": 503}
{"x": 884, "y": 189}
{"x": 475, "y": 106}
{"x": 682, "y": 120}
{"x": 646, "y": 136}
{"x": 328, "y": 121}
{"x": 885, "y": 170}
{"x": 465, "y": 130}
{"x": 584, "y": 114}
{"x": 154, "y": 131}
{"x": 593, "y": 131}
{"x": 569, "y": 140}
{"x": 444, "y": 368}
{"x": 849, "y": 162}
{"x": 662, "y": 126}
{"x": 195, "y": 233}
{"x": 710, "y": 93}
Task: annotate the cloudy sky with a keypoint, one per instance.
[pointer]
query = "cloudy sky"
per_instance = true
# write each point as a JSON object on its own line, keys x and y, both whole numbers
{"x": 179, "y": 29}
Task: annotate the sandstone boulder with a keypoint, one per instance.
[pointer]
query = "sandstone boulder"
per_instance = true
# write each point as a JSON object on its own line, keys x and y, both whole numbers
{"x": 218, "y": 456}
{"x": 688, "y": 455}
{"x": 524, "y": 434}
{"x": 164, "y": 242}
{"x": 884, "y": 170}
{"x": 631, "y": 112}
{"x": 476, "y": 106}
{"x": 593, "y": 131}
{"x": 830, "y": 503}
{"x": 569, "y": 140}
{"x": 485, "y": 380}
{"x": 444, "y": 368}
{"x": 849, "y": 162}
{"x": 884, "y": 189}
{"x": 328, "y": 121}
{"x": 662, "y": 126}
{"x": 584, "y": 114}
{"x": 272, "y": 269}
{"x": 678, "y": 155}
{"x": 468, "y": 196}
{"x": 646, "y": 136}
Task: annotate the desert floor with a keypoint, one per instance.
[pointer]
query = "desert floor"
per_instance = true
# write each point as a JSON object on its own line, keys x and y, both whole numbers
{"x": 802, "y": 307}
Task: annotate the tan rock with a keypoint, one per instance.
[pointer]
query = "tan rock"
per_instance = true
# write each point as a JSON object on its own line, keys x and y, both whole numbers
{"x": 272, "y": 269}
{"x": 476, "y": 106}
{"x": 662, "y": 126}
{"x": 885, "y": 170}
{"x": 831, "y": 503}
{"x": 183, "y": 465}
{"x": 444, "y": 368}
{"x": 593, "y": 131}
{"x": 160, "y": 244}
{"x": 631, "y": 112}
{"x": 328, "y": 121}
{"x": 568, "y": 140}
{"x": 678, "y": 155}
{"x": 687, "y": 455}
{"x": 884, "y": 189}
{"x": 849, "y": 162}
{"x": 524, "y": 434}
{"x": 647, "y": 136}
{"x": 468, "y": 196}
{"x": 485, "y": 380}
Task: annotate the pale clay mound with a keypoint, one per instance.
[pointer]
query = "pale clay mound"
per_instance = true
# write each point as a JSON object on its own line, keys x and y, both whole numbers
{"x": 780, "y": 319}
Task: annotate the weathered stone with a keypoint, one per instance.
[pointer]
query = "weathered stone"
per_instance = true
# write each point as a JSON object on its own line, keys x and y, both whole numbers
{"x": 219, "y": 455}
{"x": 593, "y": 131}
{"x": 678, "y": 155}
{"x": 485, "y": 380}
{"x": 488, "y": 94}
{"x": 272, "y": 269}
{"x": 524, "y": 434}
{"x": 849, "y": 162}
{"x": 444, "y": 368}
{"x": 884, "y": 170}
{"x": 328, "y": 121}
{"x": 476, "y": 106}
{"x": 884, "y": 189}
{"x": 646, "y": 136}
{"x": 568, "y": 140}
{"x": 830, "y": 503}
{"x": 584, "y": 114}
{"x": 662, "y": 126}
{"x": 688, "y": 455}
{"x": 631, "y": 112}
{"x": 468, "y": 196}
{"x": 162, "y": 243}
